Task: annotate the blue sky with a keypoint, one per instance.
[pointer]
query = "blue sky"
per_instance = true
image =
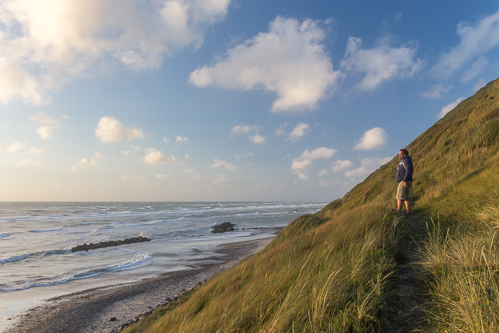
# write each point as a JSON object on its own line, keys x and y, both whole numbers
{"x": 187, "y": 100}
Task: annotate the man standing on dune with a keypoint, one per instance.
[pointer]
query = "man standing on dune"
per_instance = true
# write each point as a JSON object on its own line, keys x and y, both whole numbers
{"x": 404, "y": 179}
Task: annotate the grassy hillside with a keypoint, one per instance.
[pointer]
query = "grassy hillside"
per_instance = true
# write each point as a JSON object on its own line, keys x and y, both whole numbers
{"x": 356, "y": 266}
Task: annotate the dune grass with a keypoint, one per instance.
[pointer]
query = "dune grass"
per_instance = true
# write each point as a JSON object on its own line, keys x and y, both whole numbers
{"x": 336, "y": 270}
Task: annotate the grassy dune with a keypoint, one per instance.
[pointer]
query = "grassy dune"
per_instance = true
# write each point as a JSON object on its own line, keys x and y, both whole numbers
{"x": 356, "y": 266}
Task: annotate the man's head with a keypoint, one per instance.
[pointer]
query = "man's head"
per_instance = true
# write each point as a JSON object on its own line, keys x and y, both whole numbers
{"x": 403, "y": 153}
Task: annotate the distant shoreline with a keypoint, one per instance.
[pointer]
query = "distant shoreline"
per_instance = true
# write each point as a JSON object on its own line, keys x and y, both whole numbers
{"x": 91, "y": 310}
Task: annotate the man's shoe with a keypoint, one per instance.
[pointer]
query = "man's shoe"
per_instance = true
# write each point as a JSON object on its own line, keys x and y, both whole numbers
{"x": 407, "y": 213}
{"x": 399, "y": 211}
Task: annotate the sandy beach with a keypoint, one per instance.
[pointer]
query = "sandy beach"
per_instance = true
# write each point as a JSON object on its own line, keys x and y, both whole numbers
{"x": 105, "y": 309}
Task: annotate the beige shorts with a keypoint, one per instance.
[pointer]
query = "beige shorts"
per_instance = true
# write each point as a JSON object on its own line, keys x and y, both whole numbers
{"x": 403, "y": 192}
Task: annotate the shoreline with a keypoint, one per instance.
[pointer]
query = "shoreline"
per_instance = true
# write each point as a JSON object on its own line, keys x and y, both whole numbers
{"x": 91, "y": 310}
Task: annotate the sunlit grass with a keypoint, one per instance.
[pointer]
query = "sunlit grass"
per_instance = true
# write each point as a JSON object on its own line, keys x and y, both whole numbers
{"x": 335, "y": 271}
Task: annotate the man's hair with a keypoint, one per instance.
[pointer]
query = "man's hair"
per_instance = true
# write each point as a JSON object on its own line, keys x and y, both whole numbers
{"x": 405, "y": 151}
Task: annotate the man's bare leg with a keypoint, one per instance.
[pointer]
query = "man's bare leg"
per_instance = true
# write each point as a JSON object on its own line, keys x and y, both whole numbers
{"x": 408, "y": 206}
{"x": 399, "y": 205}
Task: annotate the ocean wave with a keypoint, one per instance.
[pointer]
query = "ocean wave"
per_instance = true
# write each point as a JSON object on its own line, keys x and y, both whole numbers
{"x": 47, "y": 230}
{"x": 35, "y": 254}
{"x": 4, "y": 235}
{"x": 142, "y": 259}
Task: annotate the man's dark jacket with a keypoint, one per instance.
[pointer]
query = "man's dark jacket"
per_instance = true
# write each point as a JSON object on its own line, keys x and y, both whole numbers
{"x": 404, "y": 170}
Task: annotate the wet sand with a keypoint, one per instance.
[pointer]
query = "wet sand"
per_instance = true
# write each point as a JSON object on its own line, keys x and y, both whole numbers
{"x": 92, "y": 310}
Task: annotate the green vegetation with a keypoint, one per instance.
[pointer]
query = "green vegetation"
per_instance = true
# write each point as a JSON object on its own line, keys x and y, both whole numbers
{"x": 356, "y": 266}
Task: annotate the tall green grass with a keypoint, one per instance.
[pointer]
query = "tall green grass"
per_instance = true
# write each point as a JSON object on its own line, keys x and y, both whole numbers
{"x": 335, "y": 271}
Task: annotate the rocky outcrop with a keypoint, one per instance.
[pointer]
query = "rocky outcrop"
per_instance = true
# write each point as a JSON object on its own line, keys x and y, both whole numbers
{"x": 92, "y": 246}
{"x": 224, "y": 227}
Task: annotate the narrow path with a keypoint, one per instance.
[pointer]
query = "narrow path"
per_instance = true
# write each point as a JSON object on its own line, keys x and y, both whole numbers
{"x": 411, "y": 293}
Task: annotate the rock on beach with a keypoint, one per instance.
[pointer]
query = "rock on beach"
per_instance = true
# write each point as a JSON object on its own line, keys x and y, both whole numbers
{"x": 224, "y": 227}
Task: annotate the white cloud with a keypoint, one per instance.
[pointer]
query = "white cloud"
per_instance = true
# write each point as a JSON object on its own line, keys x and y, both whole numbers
{"x": 196, "y": 177}
{"x": 155, "y": 157}
{"x": 219, "y": 163}
{"x": 166, "y": 140}
{"x": 449, "y": 107}
{"x": 341, "y": 165}
{"x": 16, "y": 146}
{"x": 381, "y": 63}
{"x": 85, "y": 162}
{"x": 45, "y": 132}
{"x": 43, "y": 118}
{"x": 240, "y": 130}
{"x": 475, "y": 69}
{"x": 110, "y": 129}
{"x": 44, "y": 44}
{"x": 322, "y": 172}
{"x": 181, "y": 138}
{"x": 161, "y": 176}
{"x": 436, "y": 91}
{"x": 368, "y": 166}
{"x": 281, "y": 130}
{"x": 243, "y": 156}
{"x": 29, "y": 161}
{"x": 99, "y": 155}
{"x": 189, "y": 170}
{"x": 219, "y": 179}
{"x": 125, "y": 153}
{"x": 302, "y": 176}
{"x": 476, "y": 40}
{"x": 298, "y": 132}
{"x": 373, "y": 138}
{"x": 306, "y": 158}
{"x": 35, "y": 151}
{"x": 289, "y": 60}
{"x": 257, "y": 139}
{"x": 124, "y": 178}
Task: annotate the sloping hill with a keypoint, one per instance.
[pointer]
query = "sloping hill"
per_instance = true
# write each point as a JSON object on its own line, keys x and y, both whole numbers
{"x": 356, "y": 266}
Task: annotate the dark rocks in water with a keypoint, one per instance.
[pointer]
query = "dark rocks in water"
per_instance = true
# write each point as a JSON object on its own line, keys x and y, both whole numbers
{"x": 224, "y": 227}
{"x": 92, "y": 246}
{"x": 113, "y": 318}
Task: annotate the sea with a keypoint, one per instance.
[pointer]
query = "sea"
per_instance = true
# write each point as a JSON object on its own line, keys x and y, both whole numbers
{"x": 36, "y": 239}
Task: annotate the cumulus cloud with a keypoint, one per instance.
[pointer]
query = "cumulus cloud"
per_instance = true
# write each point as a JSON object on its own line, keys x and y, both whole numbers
{"x": 341, "y": 165}
{"x": 449, "y": 107}
{"x": 303, "y": 176}
{"x": 240, "y": 130}
{"x": 29, "y": 161}
{"x": 43, "y": 118}
{"x": 306, "y": 158}
{"x": 83, "y": 163}
{"x": 475, "y": 69}
{"x": 124, "y": 178}
{"x": 257, "y": 139}
{"x": 368, "y": 165}
{"x": 436, "y": 91}
{"x": 35, "y": 151}
{"x": 16, "y": 146}
{"x": 476, "y": 40}
{"x": 45, "y": 132}
{"x": 373, "y": 138}
{"x": 110, "y": 129}
{"x": 188, "y": 170}
{"x": 322, "y": 172}
{"x": 219, "y": 163}
{"x": 161, "y": 176}
{"x": 155, "y": 157}
{"x": 289, "y": 60}
{"x": 45, "y": 44}
{"x": 181, "y": 138}
{"x": 166, "y": 140}
{"x": 380, "y": 63}
{"x": 243, "y": 156}
{"x": 298, "y": 132}
{"x": 219, "y": 179}
{"x": 99, "y": 155}
{"x": 50, "y": 124}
